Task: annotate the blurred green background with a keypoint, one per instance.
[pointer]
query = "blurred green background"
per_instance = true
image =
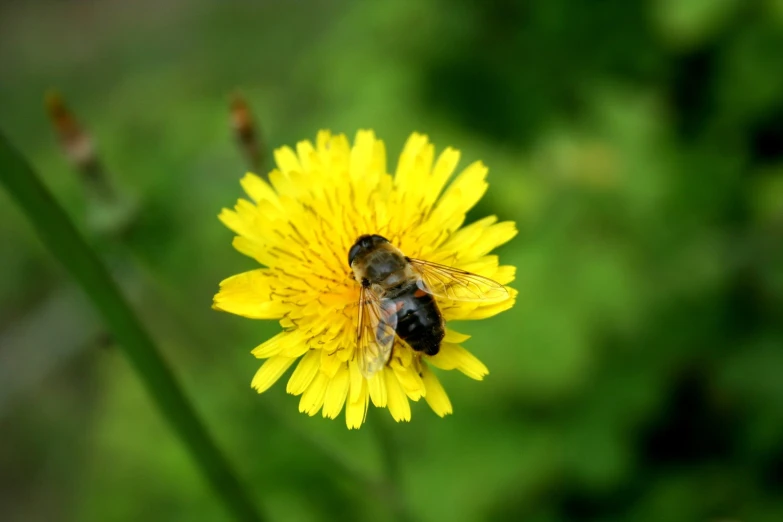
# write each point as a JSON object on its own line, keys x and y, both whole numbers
{"x": 638, "y": 145}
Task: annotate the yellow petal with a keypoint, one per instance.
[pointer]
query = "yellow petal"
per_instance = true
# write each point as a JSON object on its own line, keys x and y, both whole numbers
{"x": 322, "y": 140}
{"x": 313, "y": 398}
{"x": 461, "y": 196}
{"x": 441, "y": 172}
{"x": 231, "y": 219}
{"x": 436, "y": 396}
{"x": 330, "y": 363}
{"x": 455, "y": 337}
{"x": 258, "y": 251}
{"x": 361, "y": 154}
{"x": 243, "y": 218}
{"x": 336, "y": 393}
{"x": 308, "y": 157}
{"x": 406, "y": 164}
{"x": 505, "y": 274}
{"x": 249, "y": 294}
{"x": 258, "y": 189}
{"x": 356, "y": 410}
{"x": 295, "y": 349}
{"x": 270, "y": 372}
{"x": 487, "y": 266}
{"x": 454, "y": 356}
{"x": 304, "y": 373}
{"x": 410, "y": 381}
{"x": 377, "y": 387}
{"x": 465, "y": 237}
{"x": 285, "y": 185}
{"x": 277, "y": 345}
{"x": 484, "y": 311}
{"x": 478, "y": 239}
{"x": 493, "y": 236}
{"x": 357, "y": 381}
{"x": 399, "y": 407}
{"x": 286, "y": 159}
{"x": 378, "y": 162}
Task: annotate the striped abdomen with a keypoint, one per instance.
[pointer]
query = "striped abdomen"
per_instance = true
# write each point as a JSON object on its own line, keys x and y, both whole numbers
{"x": 419, "y": 322}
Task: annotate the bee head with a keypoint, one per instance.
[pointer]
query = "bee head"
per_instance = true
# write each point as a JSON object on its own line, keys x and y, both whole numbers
{"x": 364, "y": 244}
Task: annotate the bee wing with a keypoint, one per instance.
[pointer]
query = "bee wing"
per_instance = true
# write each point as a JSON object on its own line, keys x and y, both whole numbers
{"x": 455, "y": 284}
{"x": 375, "y": 332}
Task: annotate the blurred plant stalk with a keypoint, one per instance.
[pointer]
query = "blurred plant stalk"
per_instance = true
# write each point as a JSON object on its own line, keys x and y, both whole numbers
{"x": 71, "y": 326}
{"x": 246, "y": 133}
{"x": 62, "y": 238}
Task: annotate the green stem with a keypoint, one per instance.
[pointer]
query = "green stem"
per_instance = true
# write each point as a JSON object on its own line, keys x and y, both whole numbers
{"x": 69, "y": 247}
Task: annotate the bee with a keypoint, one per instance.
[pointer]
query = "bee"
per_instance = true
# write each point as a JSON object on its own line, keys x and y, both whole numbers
{"x": 397, "y": 299}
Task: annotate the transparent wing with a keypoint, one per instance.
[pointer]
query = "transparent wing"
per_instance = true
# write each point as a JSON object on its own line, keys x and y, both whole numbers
{"x": 375, "y": 332}
{"x": 455, "y": 284}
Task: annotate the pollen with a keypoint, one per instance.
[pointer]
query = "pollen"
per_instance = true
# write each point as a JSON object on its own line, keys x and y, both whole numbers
{"x": 300, "y": 225}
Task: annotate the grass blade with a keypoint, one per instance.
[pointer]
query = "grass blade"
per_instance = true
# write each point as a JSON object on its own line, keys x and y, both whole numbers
{"x": 61, "y": 237}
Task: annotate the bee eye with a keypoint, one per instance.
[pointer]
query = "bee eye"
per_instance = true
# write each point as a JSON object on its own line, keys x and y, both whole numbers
{"x": 353, "y": 252}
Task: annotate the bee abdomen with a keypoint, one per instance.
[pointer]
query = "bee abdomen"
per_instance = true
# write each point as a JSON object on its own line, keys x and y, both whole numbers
{"x": 419, "y": 322}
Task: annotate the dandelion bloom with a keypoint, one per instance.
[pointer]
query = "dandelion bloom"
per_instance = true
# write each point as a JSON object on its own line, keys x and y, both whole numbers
{"x": 300, "y": 227}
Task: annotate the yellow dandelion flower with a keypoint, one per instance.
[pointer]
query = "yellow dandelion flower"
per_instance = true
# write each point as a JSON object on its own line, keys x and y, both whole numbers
{"x": 301, "y": 227}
